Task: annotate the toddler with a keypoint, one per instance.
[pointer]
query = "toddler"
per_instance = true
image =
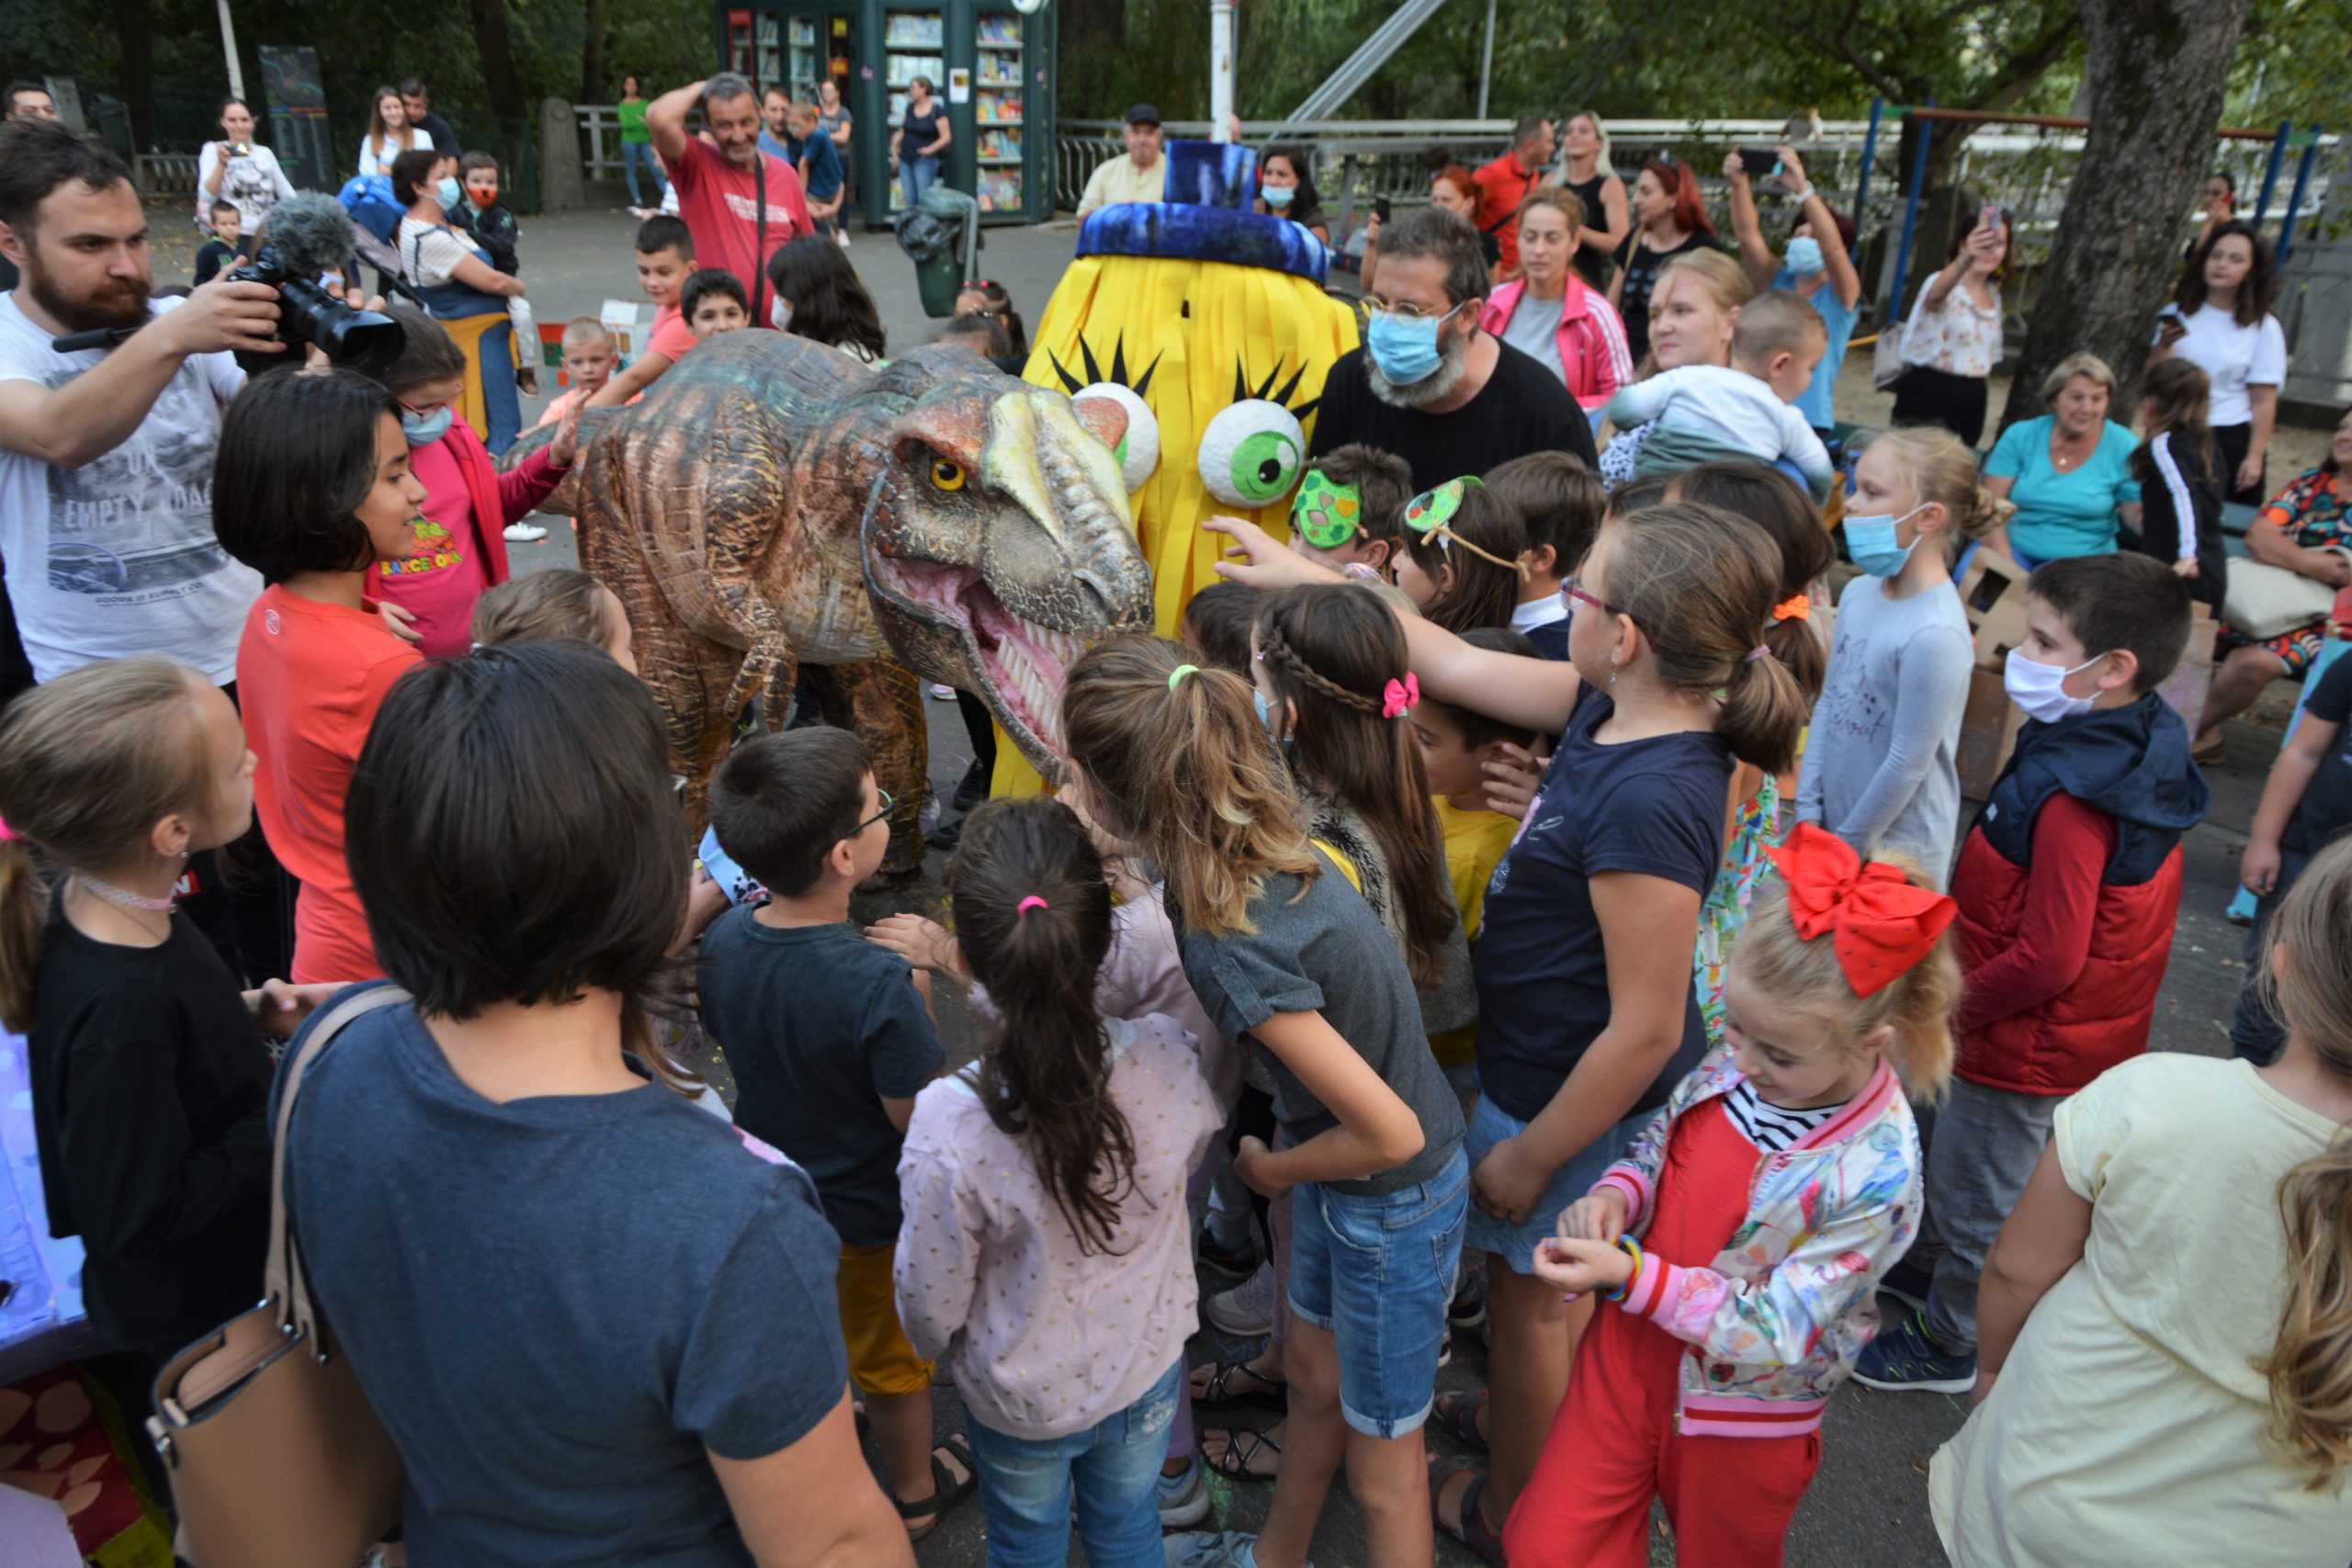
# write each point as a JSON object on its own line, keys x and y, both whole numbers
{"x": 1742, "y": 410}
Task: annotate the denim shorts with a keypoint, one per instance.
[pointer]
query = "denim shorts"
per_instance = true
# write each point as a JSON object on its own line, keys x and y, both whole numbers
{"x": 1377, "y": 1273}
{"x": 1489, "y": 1126}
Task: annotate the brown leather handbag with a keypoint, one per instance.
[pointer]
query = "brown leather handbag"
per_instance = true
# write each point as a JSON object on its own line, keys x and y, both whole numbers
{"x": 276, "y": 1459}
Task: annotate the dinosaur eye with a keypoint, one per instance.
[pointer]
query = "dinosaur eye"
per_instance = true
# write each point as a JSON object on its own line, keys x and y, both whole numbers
{"x": 1138, "y": 451}
{"x": 1251, "y": 453}
{"x": 946, "y": 475}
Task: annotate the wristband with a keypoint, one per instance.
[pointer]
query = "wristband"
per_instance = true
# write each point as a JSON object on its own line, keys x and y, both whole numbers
{"x": 1632, "y": 1249}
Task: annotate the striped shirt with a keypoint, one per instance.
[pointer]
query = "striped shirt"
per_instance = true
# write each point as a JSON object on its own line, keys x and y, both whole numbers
{"x": 1772, "y": 1128}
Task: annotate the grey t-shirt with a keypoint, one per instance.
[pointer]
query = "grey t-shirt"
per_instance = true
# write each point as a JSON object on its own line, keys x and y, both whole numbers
{"x": 557, "y": 1303}
{"x": 1534, "y": 330}
{"x": 1325, "y": 951}
{"x": 1879, "y": 767}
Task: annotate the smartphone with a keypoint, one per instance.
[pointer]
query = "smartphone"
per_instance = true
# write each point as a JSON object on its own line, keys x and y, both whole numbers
{"x": 1758, "y": 162}
{"x": 1380, "y": 207}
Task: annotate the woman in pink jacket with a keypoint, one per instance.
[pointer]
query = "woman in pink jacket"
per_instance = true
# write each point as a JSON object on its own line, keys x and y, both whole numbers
{"x": 1548, "y": 313}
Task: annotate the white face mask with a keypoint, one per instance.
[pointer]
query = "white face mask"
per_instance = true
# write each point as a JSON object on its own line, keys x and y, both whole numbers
{"x": 2039, "y": 690}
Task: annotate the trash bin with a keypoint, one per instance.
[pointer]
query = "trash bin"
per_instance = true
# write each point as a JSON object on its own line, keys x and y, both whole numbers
{"x": 941, "y": 235}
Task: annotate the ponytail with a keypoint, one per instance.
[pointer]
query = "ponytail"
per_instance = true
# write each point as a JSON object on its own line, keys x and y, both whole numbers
{"x": 2309, "y": 1367}
{"x": 89, "y": 763}
{"x": 1032, "y": 917}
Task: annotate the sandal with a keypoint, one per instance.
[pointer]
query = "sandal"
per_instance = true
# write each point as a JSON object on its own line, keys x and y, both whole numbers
{"x": 1243, "y": 1445}
{"x": 1474, "y": 1532}
{"x": 1458, "y": 1415}
{"x": 1219, "y": 1393}
{"x": 922, "y": 1514}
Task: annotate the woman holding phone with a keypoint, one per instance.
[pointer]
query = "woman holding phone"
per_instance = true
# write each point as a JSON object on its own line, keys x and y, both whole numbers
{"x": 1953, "y": 338}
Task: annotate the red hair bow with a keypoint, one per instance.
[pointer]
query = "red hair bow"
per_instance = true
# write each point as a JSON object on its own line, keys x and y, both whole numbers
{"x": 1881, "y": 923}
{"x": 1401, "y": 696}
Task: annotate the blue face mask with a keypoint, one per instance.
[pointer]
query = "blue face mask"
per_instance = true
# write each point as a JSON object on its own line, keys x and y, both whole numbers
{"x": 1403, "y": 348}
{"x": 1805, "y": 255}
{"x": 1277, "y": 196}
{"x": 424, "y": 429}
{"x": 1871, "y": 541}
{"x": 449, "y": 194}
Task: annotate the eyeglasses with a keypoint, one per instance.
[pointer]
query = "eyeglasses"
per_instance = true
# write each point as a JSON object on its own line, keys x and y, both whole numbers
{"x": 884, "y": 796}
{"x": 1369, "y": 307}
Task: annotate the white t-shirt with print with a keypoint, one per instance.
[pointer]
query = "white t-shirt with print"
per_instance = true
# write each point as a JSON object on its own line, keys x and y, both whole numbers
{"x": 117, "y": 556}
{"x": 2236, "y": 358}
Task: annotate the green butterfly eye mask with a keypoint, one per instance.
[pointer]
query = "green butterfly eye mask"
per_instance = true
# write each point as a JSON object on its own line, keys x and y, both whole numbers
{"x": 1327, "y": 515}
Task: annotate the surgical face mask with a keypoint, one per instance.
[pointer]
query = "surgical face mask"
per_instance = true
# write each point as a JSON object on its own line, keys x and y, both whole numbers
{"x": 2039, "y": 689}
{"x": 1277, "y": 196}
{"x": 449, "y": 193}
{"x": 1404, "y": 348}
{"x": 1871, "y": 541}
{"x": 780, "y": 314}
{"x": 424, "y": 429}
{"x": 1805, "y": 255}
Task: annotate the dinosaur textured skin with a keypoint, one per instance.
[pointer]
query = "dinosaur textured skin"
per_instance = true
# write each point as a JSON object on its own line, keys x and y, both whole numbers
{"x": 772, "y": 505}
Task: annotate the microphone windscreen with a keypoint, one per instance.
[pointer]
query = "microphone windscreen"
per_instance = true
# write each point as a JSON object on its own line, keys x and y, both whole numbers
{"x": 311, "y": 234}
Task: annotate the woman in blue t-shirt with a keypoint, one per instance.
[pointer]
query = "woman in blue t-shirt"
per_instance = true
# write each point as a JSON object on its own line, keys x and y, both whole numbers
{"x": 598, "y": 1323}
{"x": 2068, "y": 473}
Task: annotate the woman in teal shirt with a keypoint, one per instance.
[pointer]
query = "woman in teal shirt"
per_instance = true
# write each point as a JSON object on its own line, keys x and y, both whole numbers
{"x": 2068, "y": 472}
{"x": 637, "y": 142}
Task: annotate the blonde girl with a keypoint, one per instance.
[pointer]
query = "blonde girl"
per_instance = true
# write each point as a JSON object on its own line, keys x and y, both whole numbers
{"x": 2165, "y": 1329}
{"x": 1293, "y": 966}
{"x": 1708, "y": 1383}
{"x": 1879, "y": 767}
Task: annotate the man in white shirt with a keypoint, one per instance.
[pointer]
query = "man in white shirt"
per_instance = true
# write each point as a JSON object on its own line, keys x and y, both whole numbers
{"x": 106, "y": 454}
{"x": 1139, "y": 174}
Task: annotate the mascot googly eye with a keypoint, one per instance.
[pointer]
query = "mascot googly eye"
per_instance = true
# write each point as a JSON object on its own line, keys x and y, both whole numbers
{"x": 1251, "y": 454}
{"x": 1138, "y": 451}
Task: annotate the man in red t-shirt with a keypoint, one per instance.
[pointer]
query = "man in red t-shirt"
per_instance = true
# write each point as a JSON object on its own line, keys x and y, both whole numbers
{"x": 1504, "y": 184}
{"x": 719, "y": 187}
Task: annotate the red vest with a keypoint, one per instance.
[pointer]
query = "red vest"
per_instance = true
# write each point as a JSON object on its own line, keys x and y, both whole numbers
{"x": 2100, "y": 1020}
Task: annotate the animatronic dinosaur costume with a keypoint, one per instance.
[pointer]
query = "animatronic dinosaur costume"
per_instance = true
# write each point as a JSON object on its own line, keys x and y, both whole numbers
{"x": 772, "y": 504}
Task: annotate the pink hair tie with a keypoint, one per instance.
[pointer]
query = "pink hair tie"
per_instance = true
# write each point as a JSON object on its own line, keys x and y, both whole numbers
{"x": 1032, "y": 902}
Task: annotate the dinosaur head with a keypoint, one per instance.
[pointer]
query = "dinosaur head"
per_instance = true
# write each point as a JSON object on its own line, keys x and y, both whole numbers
{"x": 997, "y": 544}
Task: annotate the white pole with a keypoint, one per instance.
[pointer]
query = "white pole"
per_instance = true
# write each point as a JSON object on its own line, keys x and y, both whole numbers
{"x": 1484, "y": 72}
{"x": 228, "y": 48}
{"x": 1220, "y": 69}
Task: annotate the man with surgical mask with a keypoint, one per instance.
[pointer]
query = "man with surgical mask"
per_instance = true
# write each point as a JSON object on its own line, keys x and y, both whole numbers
{"x": 1428, "y": 384}
{"x": 1817, "y": 268}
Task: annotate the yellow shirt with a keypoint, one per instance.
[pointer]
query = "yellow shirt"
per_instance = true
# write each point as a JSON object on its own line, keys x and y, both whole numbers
{"x": 1117, "y": 179}
{"x": 1475, "y": 843}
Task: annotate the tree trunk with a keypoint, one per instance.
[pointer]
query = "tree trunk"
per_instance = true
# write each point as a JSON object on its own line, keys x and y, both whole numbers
{"x": 592, "y": 56}
{"x": 2156, "y": 71}
{"x": 503, "y": 84}
{"x": 134, "y": 25}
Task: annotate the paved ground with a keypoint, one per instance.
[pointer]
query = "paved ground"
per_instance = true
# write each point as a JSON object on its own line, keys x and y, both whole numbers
{"x": 1869, "y": 1503}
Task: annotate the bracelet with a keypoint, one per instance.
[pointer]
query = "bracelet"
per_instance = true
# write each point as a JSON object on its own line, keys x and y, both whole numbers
{"x": 1632, "y": 1249}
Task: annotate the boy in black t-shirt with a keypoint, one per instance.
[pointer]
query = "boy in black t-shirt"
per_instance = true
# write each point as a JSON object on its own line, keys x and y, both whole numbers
{"x": 2305, "y": 806}
{"x": 220, "y": 251}
{"x": 831, "y": 1038}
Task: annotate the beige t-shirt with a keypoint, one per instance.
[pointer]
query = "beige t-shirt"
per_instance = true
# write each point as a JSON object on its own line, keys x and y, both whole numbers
{"x": 2127, "y": 1424}
{"x": 1118, "y": 179}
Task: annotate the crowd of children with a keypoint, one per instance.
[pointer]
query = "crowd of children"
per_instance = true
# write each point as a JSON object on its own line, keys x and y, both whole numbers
{"x": 1509, "y": 913}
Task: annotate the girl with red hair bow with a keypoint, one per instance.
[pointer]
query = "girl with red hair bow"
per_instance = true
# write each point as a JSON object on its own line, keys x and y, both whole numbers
{"x": 1742, "y": 1239}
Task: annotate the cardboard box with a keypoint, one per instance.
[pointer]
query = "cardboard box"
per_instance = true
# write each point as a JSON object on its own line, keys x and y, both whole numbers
{"x": 1992, "y": 593}
{"x": 1988, "y": 731}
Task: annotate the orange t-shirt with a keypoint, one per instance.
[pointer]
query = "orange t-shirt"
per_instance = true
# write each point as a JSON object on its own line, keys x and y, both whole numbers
{"x": 310, "y": 678}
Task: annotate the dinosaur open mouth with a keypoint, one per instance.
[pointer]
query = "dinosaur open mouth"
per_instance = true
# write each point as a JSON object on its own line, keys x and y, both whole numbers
{"x": 1023, "y": 663}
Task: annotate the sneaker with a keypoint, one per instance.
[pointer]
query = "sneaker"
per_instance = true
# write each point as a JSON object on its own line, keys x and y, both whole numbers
{"x": 1184, "y": 1497}
{"x": 1211, "y": 1549}
{"x": 1247, "y": 1311}
{"x": 525, "y": 533}
{"x": 1903, "y": 1359}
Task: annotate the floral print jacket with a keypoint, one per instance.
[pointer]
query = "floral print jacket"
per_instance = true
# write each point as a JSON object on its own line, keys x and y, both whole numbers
{"x": 1779, "y": 1318}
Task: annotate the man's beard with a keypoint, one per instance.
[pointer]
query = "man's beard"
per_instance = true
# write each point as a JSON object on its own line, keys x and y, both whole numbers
{"x": 1453, "y": 363}
{"x": 119, "y": 304}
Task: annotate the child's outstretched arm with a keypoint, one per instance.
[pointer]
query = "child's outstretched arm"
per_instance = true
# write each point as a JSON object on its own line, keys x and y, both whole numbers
{"x": 1377, "y": 1130}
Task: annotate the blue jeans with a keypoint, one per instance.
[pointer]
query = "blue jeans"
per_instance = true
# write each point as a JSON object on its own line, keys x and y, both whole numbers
{"x": 501, "y": 407}
{"x": 1025, "y": 1486}
{"x": 917, "y": 175}
{"x": 1377, "y": 1273}
{"x": 633, "y": 153}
